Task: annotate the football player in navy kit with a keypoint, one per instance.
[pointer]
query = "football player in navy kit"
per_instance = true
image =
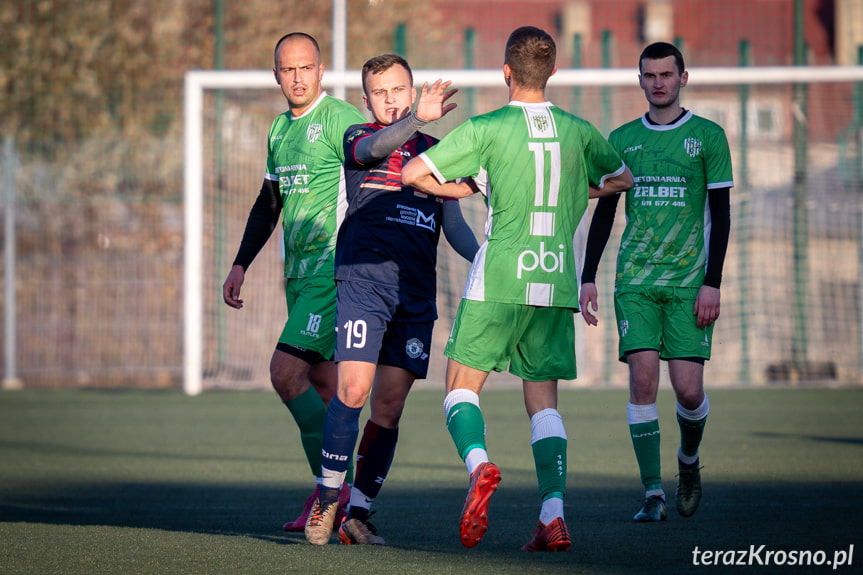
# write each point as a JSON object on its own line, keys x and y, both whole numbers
{"x": 386, "y": 284}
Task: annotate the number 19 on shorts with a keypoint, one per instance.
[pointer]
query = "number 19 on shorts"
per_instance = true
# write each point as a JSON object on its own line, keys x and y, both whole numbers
{"x": 355, "y": 334}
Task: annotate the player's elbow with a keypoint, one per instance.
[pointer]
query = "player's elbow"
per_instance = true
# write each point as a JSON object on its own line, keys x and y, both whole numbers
{"x": 411, "y": 172}
{"x": 624, "y": 181}
{"x": 618, "y": 184}
{"x": 629, "y": 180}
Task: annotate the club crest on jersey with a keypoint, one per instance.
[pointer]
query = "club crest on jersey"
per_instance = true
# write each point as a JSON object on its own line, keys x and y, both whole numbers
{"x": 354, "y": 135}
{"x": 314, "y": 132}
{"x": 692, "y": 146}
{"x": 541, "y": 123}
{"x": 414, "y": 348}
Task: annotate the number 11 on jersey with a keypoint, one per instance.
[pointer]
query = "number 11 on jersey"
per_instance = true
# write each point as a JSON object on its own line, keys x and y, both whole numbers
{"x": 542, "y": 222}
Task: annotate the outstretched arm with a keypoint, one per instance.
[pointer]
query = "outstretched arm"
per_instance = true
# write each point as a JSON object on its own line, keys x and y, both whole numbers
{"x": 379, "y": 145}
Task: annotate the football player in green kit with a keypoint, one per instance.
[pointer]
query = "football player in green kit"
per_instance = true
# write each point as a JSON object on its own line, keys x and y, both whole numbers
{"x": 669, "y": 268}
{"x": 536, "y": 165}
{"x": 304, "y": 183}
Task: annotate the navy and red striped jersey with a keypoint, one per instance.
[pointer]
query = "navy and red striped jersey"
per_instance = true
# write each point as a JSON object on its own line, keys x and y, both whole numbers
{"x": 390, "y": 232}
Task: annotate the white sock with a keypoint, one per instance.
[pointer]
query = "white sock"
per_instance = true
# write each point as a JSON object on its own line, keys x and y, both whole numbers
{"x": 459, "y": 396}
{"x": 686, "y": 459}
{"x": 552, "y": 508}
{"x": 360, "y": 499}
{"x": 474, "y": 458}
{"x": 641, "y": 413}
{"x": 696, "y": 414}
{"x": 332, "y": 479}
{"x": 546, "y": 423}
{"x": 653, "y": 492}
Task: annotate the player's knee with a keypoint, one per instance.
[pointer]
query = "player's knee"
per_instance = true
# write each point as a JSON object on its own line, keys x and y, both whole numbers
{"x": 388, "y": 412}
{"x": 642, "y": 390}
{"x": 289, "y": 378}
{"x": 286, "y": 387}
{"x": 690, "y": 398}
{"x": 352, "y": 394}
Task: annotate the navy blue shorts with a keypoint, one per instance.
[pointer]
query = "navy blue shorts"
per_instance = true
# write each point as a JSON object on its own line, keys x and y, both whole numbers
{"x": 379, "y": 325}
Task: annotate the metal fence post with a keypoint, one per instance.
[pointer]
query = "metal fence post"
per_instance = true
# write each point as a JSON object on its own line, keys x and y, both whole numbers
{"x": 10, "y": 378}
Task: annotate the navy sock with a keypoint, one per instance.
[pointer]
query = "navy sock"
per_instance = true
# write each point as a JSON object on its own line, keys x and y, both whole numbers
{"x": 374, "y": 457}
{"x": 340, "y": 436}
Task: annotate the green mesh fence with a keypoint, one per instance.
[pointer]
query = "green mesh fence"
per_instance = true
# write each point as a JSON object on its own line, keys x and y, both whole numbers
{"x": 91, "y": 99}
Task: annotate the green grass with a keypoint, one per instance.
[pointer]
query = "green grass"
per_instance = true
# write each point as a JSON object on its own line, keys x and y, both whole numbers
{"x": 155, "y": 482}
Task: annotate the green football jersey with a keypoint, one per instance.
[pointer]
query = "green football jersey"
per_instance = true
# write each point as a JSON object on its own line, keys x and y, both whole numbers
{"x": 534, "y": 163}
{"x": 667, "y": 214}
{"x": 305, "y": 155}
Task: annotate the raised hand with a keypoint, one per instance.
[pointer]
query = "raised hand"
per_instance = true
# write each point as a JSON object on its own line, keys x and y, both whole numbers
{"x": 430, "y": 106}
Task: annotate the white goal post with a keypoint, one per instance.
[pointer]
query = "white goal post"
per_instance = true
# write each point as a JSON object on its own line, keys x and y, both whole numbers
{"x": 197, "y": 81}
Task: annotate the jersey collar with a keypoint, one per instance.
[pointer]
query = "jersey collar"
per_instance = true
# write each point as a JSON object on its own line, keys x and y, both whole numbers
{"x": 682, "y": 119}
{"x": 545, "y": 104}
{"x": 312, "y": 107}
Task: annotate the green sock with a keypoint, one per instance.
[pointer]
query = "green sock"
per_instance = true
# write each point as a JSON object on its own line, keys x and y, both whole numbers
{"x": 691, "y": 432}
{"x": 646, "y": 440}
{"x": 466, "y": 426}
{"x": 310, "y": 413}
{"x": 549, "y": 456}
{"x": 349, "y": 474}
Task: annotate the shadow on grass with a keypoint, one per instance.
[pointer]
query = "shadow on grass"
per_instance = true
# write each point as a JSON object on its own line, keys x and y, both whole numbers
{"x": 799, "y": 436}
{"x": 787, "y": 516}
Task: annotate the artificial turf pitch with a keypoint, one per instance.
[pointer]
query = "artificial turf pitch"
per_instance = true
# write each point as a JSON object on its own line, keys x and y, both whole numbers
{"x": 145, "y": 482}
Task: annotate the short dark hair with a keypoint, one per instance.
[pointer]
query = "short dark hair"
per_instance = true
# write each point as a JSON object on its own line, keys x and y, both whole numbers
{"x": 382, "y": 63}
{"x": 660, "y": 50}
{"x": 530, "y": 54}
{"x": 291, "y": 35}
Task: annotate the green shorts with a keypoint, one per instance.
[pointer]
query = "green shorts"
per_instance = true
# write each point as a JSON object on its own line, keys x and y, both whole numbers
{"x": 660, "y": 318}
{"x": 536, "y": 343}
{"x": 311, "y": 321}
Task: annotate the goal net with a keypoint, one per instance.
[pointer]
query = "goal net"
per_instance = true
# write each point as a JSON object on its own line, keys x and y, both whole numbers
{"x": 792, "y": 276}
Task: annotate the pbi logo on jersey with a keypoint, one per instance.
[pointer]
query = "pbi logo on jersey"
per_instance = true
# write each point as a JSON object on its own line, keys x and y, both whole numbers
{"x": 692, "y": 146}
{"x": 314, "y": 132}
{"x": 623, "y": 327}
{"x": 549, "y": 261}
{"x": 414, "y": 348}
